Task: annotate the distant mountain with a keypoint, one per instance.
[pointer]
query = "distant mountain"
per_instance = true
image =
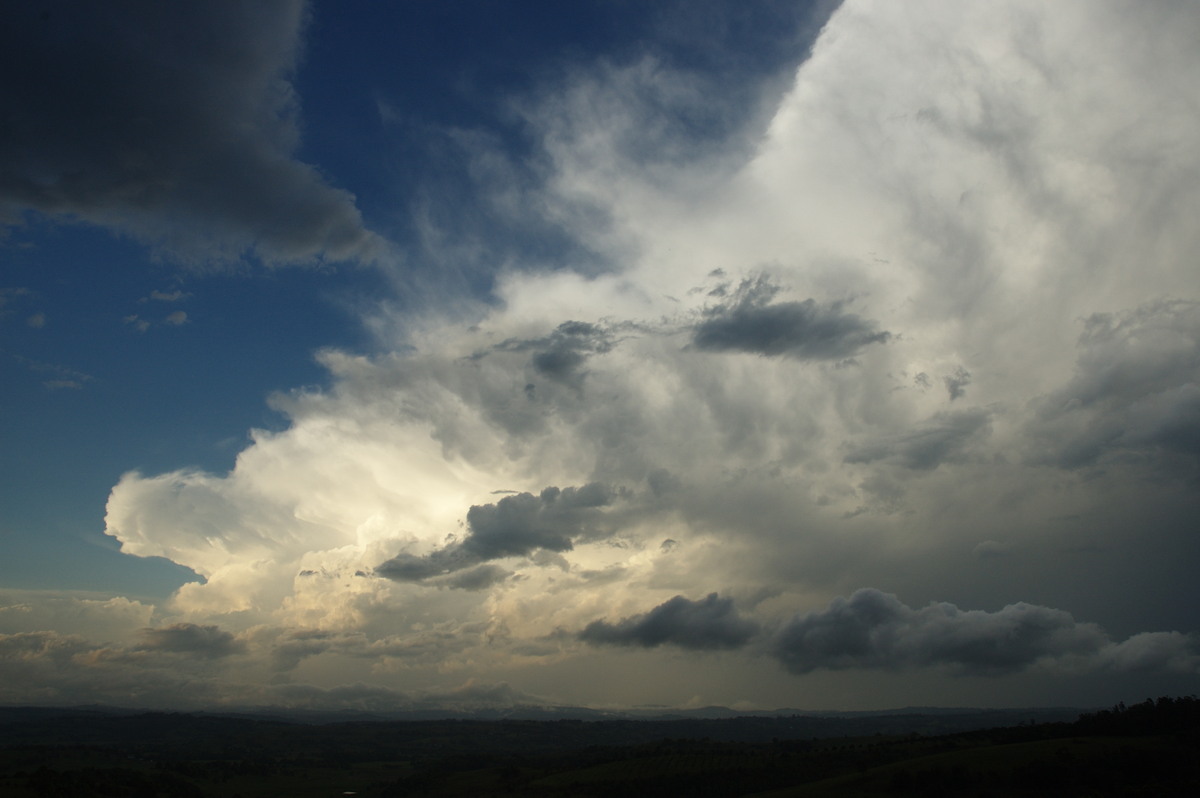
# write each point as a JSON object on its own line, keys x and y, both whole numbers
{"x": 97, "y": 725}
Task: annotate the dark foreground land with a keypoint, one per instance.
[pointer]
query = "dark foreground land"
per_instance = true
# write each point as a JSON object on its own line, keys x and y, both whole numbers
{"x": 1146, "y": 749}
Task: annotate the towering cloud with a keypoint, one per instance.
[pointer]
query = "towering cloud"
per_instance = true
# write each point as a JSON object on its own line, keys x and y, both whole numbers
{"x": 932, "y": 327}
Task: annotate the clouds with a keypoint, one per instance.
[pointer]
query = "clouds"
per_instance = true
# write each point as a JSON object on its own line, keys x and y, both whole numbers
{"x": 50, "y": 668}
{"x": 175, "y": 124}
{"x": 711, "y": 623}
{"x": 515, "y": 526}
{"x": 871, "y": 629}
{"x": 875, "y": 630}
{"x": 888, "y": 334}
{"x": 748, "y": 322}
{"x": 938, "y": 439}
{"x": 114, "y": 618}
{"x": 172, "y": 672}
{"x": 1134, "y": 390}
{"x": 561, "y": 355}
{"x": 192, "y": 640}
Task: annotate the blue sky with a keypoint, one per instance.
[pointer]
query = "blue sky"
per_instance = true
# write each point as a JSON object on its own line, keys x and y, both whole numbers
{"x": 783, "y": 354}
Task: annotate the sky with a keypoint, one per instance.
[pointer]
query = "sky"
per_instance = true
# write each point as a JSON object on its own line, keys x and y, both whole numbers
{"x": 605, "y": 353}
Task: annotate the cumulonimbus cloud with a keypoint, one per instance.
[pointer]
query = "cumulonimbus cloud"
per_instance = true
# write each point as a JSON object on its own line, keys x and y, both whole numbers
{"x": 924, "y": 208}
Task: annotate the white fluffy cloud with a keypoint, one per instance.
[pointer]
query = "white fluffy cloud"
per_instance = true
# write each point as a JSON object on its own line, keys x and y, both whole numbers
{"x": 872, "y": 345}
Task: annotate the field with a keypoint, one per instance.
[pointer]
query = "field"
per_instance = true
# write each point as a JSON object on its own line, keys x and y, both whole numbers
{"x": 1147, "y": 749}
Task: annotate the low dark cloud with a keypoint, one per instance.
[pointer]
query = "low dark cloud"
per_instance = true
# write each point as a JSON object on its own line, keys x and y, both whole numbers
{"x": 711, "y": 623}
{"x": 941, "y": 438}
{"x": 872, "y": 629}
{"x": 1150, "y": 651}
{"x": 175, "y": 122}
{"x": 750, "y": 322}
{"x": 297, "y": 645}
{"x": 188, "y": 638}
{"x": 561, "y": 355}
{"x": 515, "y": 526}
{"x": 411, "y": 568}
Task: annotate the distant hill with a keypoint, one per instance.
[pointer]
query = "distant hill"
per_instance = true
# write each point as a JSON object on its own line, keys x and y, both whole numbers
{"x": 82, "y": 751}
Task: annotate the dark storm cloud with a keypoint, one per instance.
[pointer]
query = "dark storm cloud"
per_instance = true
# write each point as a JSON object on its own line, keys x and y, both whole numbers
{"x": 711, "y": 623}
{"x": 941, "y": 438}
{"x": 411, "y": 568}
{"x": 515, "y": 526}
{"x": 956, "y": 383}
{"x": 1136, "y": 390}
{"x": 561, "y": 355}
{"x": 749, "y": 322}
{"x": 172, "y": 121}
{"x": 191, "y": 639}
{"x": 872, "y": 629}
{"x": 1150, "y": 651}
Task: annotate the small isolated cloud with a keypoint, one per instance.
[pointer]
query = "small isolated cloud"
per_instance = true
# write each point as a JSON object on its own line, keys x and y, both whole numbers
{"x": 176, "y": 318}
{"x": 59, "y": 377}
{"x": 992, "y": 549}
{"x": 188, "y": 638}
{"x": 37, "y": 321}
{"x": 7, "y": 295}
{"x": 956, "y": 383}
{"x": 515, "y": 526}
{"x": 128, "y": 115}
{"x": 711, "y": 623}
{"x": 944, "y": 437}
{"x": 749, "y": 322}
{"x": 138, "y": 323}
{"x": 166, "y": 296}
